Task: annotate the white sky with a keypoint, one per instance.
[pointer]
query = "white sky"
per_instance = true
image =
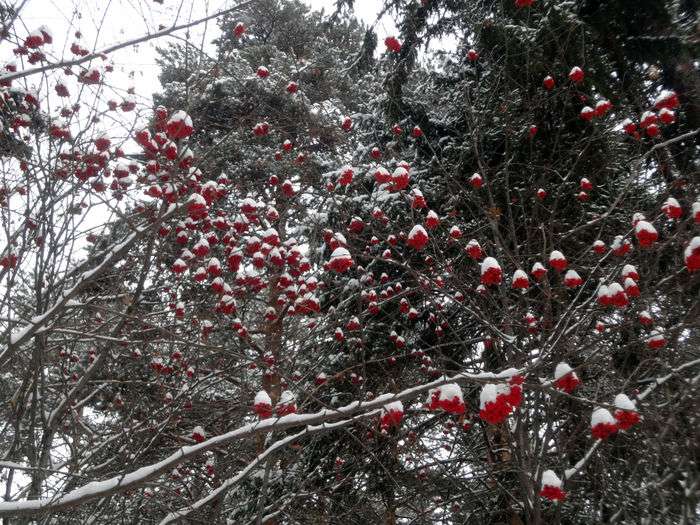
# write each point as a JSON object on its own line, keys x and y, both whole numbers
{"x": 122, "y": 20}
{"x": 107, "y": 22}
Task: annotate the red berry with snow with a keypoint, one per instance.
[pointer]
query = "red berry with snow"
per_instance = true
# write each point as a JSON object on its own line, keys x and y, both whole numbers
{"x": 474, "y": 250}
{"x": 565, "y": 378}
{"x": 576, "y": 75}
{"x": 491, "y": 273}
{"x": 572, "y": 279}
{"x": 198, "y": 434}
{"x": 392, "y": 414}
{"x": 179, "y": 126}
{"x": 538, "y": 271}
{"x": 239, "y": 29}
{"x": 446, "y": 397}
{"x": 558, "y": 261}
{"x": 476, "y": 181}
{"x": 587, "y": 113}
{"x": 626, "y": 415}
{"x": 400, "y": 179}
{"x": 520, "y": 280}
{"x": 551, "y": 487}
{"x": 417, "y": 237}
{"x": 666, "y": 99}
{"x": 340, "y": 261}
{"x": 691, "y": 255}
{"x": 603, "y": 424}
{"x": 672, "y": 209}
{"x": 656, "y": 340}
{"x": 286, "y": 404}
{"x": 646, "y": 234}
{"x": 262, "y": 404}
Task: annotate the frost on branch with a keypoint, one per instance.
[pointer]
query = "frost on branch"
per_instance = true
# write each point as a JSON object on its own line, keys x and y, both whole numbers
{"x": 226, "y": 299}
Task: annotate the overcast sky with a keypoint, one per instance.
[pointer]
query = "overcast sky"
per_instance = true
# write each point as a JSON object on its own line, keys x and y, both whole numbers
{"x": 121, "y": 20}
{"x": 107, "y": 22}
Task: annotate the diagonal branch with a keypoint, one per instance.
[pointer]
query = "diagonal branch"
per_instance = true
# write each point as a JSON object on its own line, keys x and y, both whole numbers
{"x": 121, "y": 45}
{"x": 243, "y": 474}
{"x": 131, "y": 480}
{"x": 111, "y": 256}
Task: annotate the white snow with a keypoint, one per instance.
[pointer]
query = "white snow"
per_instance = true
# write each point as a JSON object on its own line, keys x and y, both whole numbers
{"x": 400, "y": 172}
{"x": 556, "y": 255}
{"x": 180, "y": 116}
{"x": 615, "y": 288}
{"x": 262, "y": 398}
{"x": 340, "y": 252}
{"x": 447, "y": 392}
{"x": 630, "y": 283}
{"x": 624, "y": 403}
{"x": 629, "y": 270}
{"x": 396, "y": 406}
{"x": 561, "y": 370}
{"x": 601, "y": 415}
{"x": 520, "y": 275}
{"x": 644, "y": 226}
{"x": 538, "y": 267}
{"x": 489, "y": 263}
{"x": 450, "y": 391}
{"x": 549, "y": 478}
{"x": 693, "y": 246}
{"x": 489, "y": 393}
{"x": 672, "y": 202}
{"x": 196, "y": 198}
{"x": 287, "y": 397}
{"x": 572, "y": 275}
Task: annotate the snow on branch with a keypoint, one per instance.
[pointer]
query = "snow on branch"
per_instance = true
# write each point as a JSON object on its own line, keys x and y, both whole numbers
{"x": 661, "y": 380}
{"x": 243, "y": 474}
{"x": 121, "y": 483}
{"x": 111, "y": 256}
{"x": 111, "y": 49}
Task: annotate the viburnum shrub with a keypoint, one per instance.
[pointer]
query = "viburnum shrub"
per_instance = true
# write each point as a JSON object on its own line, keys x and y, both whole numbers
{"x": 332, "y": 275}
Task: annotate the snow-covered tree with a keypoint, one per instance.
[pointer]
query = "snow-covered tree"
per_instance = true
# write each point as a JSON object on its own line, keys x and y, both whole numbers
{"x": 449, "y": 275}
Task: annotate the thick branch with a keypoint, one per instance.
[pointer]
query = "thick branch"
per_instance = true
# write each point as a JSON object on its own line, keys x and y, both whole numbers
{"x": 121, "y": 483}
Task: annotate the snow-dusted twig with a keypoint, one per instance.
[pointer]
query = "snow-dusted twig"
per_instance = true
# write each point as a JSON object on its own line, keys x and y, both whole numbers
{"x": 111, "y": 49}
{"x": 661, "y": 380}
{"x": 571, "y": 472}
{"x": 243, "y": 474}
{"x": 131, "y": 480}
{"x": 111, "y": 256}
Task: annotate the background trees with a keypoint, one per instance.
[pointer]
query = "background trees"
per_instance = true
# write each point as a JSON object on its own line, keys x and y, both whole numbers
{"x": 446, "y": 278}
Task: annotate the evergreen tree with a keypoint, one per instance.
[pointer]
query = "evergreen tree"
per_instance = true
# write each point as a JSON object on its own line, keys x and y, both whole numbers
{"x": 452, "y": 278}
